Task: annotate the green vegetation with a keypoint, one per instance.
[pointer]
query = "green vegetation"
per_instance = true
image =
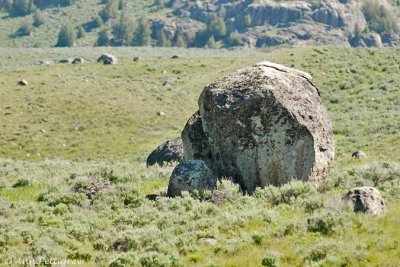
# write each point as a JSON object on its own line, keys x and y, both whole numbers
{"x": 67, "y": 36}
{"x": 38, "y": 18}
{"x": 122, "y": 31}
{"x": 25, "y": 29}
{"x": 160, "y": 17}
{"x": 74, "y": 143}
{"x": 379, "y": 17}
{"x": 142, "y": 35}
{"x": 110, "y": 11}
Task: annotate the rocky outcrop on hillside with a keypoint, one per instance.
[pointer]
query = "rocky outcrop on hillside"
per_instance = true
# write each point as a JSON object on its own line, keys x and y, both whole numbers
{"x": 270, "y": 23}
{"x": 170, "y": 27}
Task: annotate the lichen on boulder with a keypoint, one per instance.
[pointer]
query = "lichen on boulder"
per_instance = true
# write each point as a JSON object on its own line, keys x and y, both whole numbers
{"x": 263, "y": 125}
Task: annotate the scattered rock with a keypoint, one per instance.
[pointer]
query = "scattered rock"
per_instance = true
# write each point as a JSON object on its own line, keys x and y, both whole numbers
{"x": 359, "y": 155}
{"x": 161, "y": 114}
{"x": 152, "y": 197}
{"x": 136, "y": 59}
{"x": 78, "y": 60}
{"x": 164, "y": 72}
{"x": 66, "y": 61}
{"x": 23, "y": 82}
{"x": 191, "y": 175}
{"x": 208, "y": 242}
{"x": 168, "y": 152}
{"x": 108, "y": 59}
{"x": 266, "y": 124}
{"x": 80, "y": 128}
{"x": 366, "y": 199}
{"x": 372, "y": 39}
{"x": 46, "y": 62}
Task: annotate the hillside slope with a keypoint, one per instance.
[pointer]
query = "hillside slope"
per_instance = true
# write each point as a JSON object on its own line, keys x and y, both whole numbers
{"x": 372, "y": 23}
{"x": 73, "y": 180}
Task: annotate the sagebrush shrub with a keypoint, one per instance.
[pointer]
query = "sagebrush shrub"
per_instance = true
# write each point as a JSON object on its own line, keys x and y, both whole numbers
{"x": 270, "y": 260}
{"x": 288, "y": 193}
{"x": 326, "y": 223}
{"x": 21, "y": 183}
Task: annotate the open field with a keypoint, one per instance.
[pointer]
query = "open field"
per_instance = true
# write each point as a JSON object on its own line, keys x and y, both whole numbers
{"x": 75, "y": 126}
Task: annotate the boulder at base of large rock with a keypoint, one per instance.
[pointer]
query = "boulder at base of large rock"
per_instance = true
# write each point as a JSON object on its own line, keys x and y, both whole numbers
{"x": 366, "y": 199}
{"x": 191, "y": 175}
{"x": 266, "y": 124}
{"x": 108, "y": 59}
{"x": 168, "y": 152}
{"x": 194, "y": 140}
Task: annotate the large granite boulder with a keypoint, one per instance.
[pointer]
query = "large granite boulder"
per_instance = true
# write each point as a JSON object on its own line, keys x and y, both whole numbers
{"x": 264, "y": 124}
{"x": 169, "y": 152}
{"x": 366, "y": 199}
{"x": 191, "y": 175}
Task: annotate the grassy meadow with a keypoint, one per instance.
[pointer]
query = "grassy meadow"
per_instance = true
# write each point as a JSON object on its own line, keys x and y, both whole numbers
{"x": 78, "y": 127}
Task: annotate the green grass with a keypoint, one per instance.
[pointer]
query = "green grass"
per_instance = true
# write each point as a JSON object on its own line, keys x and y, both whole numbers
{"x": 80, "y": 13}
{"x": 28, "y": 193}
{"x": 92, "y": 111}
{"x": 75, "y": 125}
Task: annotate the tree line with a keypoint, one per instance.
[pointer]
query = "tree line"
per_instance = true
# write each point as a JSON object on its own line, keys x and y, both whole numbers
{"x": 25, "y": 7}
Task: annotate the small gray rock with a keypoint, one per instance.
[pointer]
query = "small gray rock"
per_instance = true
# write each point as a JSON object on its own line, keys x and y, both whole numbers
{"x": 46, "y": 62}
{"x": 366, "y": 199}
{"x": 78, "y": 60}
{"x": 66, "y": 61}
{"x": 168, "y": 152}
{"x": 359, "y": 155}
{"x": 161, "y": 114}
{"x": 108, "y": 59}
{"x": 191, "y": 175}
{"x": 23, "y": 82}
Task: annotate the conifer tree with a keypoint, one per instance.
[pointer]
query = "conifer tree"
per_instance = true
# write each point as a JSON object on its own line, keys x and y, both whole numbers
{"x": 66, "y": 36}
{"x": 142, "y": 35}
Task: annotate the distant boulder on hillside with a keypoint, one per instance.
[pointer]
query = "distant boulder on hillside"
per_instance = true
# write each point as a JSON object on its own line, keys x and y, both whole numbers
{"x": 367, "y": 200}
{"x": 108, "y": 59}
{"x": 23, "y": 82}
{"x": 78, "y": 60}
